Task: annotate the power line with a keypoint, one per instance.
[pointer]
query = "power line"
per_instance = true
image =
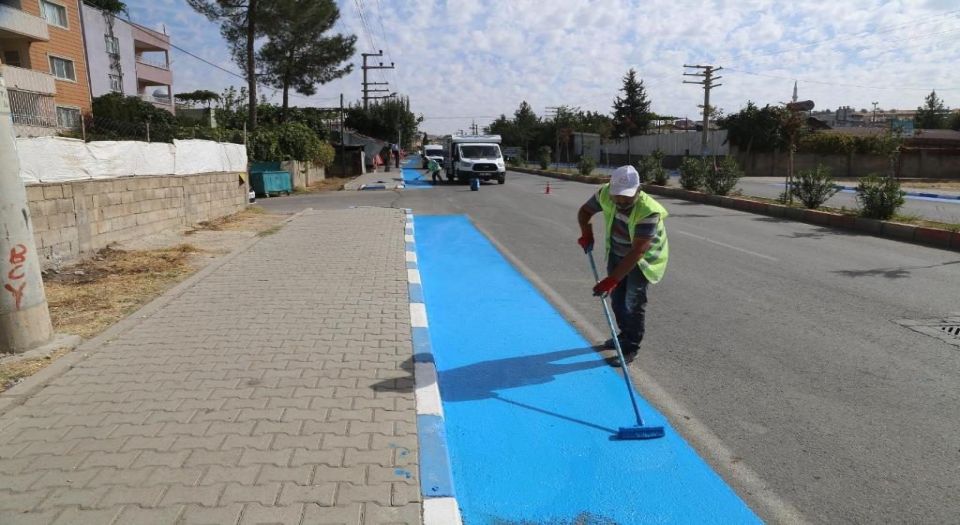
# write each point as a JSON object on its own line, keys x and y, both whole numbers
{"x": 386, "y": 43}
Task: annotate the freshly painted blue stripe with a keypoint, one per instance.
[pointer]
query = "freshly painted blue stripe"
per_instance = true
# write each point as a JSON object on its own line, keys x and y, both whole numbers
{"x": 436, "y": 480}
{"x": 409, "y": 246}
{"x": 416, "y": 293}
{"x": 421, "y": 341}
{"x": 530, "y": 408}
{"x": 413, "y": 179}
{"x": 411, "y": 265}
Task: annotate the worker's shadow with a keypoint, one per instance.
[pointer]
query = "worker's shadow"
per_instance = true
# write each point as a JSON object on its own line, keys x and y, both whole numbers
{"x": 493, "y": 379}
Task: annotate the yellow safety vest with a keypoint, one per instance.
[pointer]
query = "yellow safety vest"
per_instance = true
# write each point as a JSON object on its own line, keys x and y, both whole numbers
{"x": 653, "y": 264}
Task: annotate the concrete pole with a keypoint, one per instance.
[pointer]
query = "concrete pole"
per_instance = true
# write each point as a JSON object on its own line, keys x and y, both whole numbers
{"x": 24, "y": 317}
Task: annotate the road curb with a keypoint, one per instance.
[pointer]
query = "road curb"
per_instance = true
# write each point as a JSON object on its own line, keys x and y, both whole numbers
{"x": 436, "y": 476}
{"x": 31, "y": 385}
{"x": 933, "y": 237}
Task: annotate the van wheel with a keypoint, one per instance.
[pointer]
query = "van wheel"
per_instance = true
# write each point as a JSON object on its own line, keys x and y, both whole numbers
{"x": 502, "y": 178}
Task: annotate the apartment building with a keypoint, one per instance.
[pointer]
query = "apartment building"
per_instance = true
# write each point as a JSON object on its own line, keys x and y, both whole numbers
{"x": 44, "y": 65}
{"x": 127, "y": 58}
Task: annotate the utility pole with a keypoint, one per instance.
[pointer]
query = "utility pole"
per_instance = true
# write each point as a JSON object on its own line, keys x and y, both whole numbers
{"x": 24, "y": 317}
{"x": 874, "y": 112}
{"x": 553, "y": 112}
{"x": 366, "y": 88}
{"x": 708, "y": 84}
{"x": 343, "y": 140}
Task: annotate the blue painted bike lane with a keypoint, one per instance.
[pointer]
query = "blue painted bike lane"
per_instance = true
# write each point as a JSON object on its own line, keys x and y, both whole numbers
{"x": 530, "y": 408}
{"x": 412, "y": 178}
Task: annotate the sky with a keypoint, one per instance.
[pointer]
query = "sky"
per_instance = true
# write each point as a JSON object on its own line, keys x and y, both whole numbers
{"x": 466, "y": 61}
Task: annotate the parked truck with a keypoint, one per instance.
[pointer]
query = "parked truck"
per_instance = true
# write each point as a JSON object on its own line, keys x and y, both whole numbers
{"x": 469, "y": 157}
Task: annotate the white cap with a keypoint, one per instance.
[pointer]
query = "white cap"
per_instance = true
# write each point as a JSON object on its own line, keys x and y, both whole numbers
{"x": 625, "y": 181}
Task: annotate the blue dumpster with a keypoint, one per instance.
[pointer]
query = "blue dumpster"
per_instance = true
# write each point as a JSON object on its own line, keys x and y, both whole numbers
{"x": 267, "y": 179}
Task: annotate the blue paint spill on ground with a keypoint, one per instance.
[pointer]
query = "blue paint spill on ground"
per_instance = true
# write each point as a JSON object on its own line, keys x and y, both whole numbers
{"x": 412, "y": 178}
{"x": 530, "y": 407}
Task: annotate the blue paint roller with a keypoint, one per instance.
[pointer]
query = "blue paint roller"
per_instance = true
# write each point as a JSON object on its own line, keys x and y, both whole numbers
{"x": 639, "y": 431}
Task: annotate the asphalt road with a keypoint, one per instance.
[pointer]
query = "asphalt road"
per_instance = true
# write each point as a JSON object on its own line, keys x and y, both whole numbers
{"x": 777, "y": 336}
{"x": 931, "y": 209}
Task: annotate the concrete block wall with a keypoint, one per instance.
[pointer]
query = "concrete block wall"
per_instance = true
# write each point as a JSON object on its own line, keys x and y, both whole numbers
{"x": 72, "y": 220}
{"x": 303, "y": 173}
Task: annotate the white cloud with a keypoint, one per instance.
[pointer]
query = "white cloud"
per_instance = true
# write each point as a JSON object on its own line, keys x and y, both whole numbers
{"x": 469, "y": 58}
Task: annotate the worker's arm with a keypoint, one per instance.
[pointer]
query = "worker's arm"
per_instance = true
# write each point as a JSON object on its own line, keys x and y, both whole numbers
{"x": 629, "y": 261}
{"x": 588, "y": 210}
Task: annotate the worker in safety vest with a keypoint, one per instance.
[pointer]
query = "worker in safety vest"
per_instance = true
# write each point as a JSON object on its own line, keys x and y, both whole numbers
{"x": 433, "y": 167}
{"x": 637, "y": 251}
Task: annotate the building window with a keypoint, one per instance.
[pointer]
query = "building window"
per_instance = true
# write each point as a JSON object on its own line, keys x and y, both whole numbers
{"x": 12, "y": 58}
{"x": 113, "y": 45}
{"x": 62, "y": 68}
{"x": 68, "y": 118}
{"x": 55, "y": 14}
{"x": 116, "y": 84}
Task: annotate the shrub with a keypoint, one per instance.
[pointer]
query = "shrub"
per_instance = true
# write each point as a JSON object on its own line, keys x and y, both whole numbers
{"x": 814, "y": 187}
{"x": 692, "y": 173}
{"x": 721, "y": 178}
{"x": 879, "y": 197}
{"x": 544, "y": 157}
{"x": 586, "y": 165}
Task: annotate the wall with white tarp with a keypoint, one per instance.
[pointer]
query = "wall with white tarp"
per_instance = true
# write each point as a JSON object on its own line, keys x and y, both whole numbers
{"x": 58, "y": 159}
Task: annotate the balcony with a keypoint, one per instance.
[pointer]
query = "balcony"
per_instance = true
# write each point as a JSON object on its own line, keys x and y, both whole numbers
{"x": 18, "y": 24}
{"x": 29, "y": 80}
{"x": 160, "y": 102}
{"x": 148, "y": 40}
{"x": 151, "y": 72}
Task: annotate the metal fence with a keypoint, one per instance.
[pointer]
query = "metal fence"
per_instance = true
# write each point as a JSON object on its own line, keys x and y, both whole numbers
{"x": 32, "y": 109}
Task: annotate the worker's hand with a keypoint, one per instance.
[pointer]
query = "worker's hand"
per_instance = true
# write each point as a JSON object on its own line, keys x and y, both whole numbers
{"x": 586, "y": 241}
{"x": 605, "y": 286}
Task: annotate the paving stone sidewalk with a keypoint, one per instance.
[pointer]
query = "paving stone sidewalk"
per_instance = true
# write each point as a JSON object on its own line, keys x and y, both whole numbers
{"x": 275, "y": 390}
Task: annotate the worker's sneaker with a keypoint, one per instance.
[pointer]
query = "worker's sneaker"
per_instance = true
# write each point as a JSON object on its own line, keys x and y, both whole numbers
{"x": 628, "y": 356}
{"x": 608, "y": 344}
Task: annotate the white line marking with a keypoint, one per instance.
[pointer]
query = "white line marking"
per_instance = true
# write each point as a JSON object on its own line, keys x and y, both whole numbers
{"x": 418, "y": 315}
{"x": 711, "y": 241}
{"x": 411, "y": 256}
{"x": 427, "y": 393}
{"x": 408, "y": 238}
{"x": 413, "y": 276}
{"x": 441, "y": 511}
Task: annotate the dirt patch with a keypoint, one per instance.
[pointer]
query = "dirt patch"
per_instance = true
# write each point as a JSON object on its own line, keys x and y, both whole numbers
{"x": 11, "y": 373}
{"x": 88, "y": 297}
{"x": 327, "y": 184}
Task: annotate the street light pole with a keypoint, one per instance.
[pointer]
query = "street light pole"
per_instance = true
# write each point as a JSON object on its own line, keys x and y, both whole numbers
{"x": 24, "y": 317}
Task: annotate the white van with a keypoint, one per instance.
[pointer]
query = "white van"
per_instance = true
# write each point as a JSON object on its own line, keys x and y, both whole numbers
{"x": 474, "y": 157}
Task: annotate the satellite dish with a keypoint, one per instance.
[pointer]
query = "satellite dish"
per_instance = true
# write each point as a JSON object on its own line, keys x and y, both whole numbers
{"x": 804, "y": 105}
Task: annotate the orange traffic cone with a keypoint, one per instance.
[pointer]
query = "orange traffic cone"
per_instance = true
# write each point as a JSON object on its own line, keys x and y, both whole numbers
{"x": 547, "y": 190}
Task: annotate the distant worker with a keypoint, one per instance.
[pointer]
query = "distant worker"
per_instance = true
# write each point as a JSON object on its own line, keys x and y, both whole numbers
{"x": 396, "y": 154}
{"x": 637, "y": 251}
{"x": 434, "y": 168}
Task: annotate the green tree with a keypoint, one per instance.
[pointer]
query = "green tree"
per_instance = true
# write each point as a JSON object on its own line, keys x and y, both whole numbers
{"x": 631, "y": 112}
{"x": 241, "y": 25}
{"x": 384, "y": 119}
{"x": 200, "y": 96}
{"x": 756, "y": 129}
{"x": 526, "y": 122}
{"x": 110, "y": 6}
{"x": 117, "y": 117}
{"x": 933, "y": 114}
{"x": 297, "y": 53}
{"x": 955, "y": 121}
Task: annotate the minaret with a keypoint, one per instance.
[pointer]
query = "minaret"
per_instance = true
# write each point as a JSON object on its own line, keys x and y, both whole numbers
{"x": 794, "y": 91}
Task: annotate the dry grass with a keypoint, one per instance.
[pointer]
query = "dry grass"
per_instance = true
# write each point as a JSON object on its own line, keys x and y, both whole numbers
{"x": 230, "y": 222}
{"x": 88, "y": 297}
{"x": 11, "y": 373}
{"x": 327, "y": 184}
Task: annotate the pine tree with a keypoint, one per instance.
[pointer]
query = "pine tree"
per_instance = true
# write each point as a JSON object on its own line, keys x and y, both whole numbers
{"x": 933, "y": 114}
{"x": 631, "y": 112}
